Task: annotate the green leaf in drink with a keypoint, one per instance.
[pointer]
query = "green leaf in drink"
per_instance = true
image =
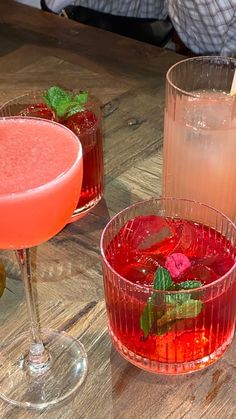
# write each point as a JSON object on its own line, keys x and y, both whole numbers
{"x": 189, "y": 285}
{"x": 162, "y": 281}
{"x": 187, "y": 310}
{"x": 147, "y": 318}
{"x": 164, "y": 309}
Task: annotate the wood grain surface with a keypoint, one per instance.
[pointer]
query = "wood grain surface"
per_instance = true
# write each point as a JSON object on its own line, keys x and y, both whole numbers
{"x": 37, "y": 50}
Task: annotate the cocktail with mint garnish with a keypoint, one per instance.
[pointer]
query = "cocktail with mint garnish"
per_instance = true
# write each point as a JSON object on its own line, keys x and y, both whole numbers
{"x": 81, "y": 113}
{"x": 170, "y": 284}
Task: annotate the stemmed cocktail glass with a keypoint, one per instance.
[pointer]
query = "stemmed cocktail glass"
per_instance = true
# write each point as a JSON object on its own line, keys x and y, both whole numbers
{"x": 86, "y": 124}
{"x": 40, "y": 183}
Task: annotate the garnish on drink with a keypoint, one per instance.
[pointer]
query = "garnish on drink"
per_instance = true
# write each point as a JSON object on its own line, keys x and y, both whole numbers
{"x": 59, "y": 104}
{"x": 162, "y": 311}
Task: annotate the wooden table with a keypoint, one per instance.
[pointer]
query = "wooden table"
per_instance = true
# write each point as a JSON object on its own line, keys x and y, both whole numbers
{"x": 37, "y": 50}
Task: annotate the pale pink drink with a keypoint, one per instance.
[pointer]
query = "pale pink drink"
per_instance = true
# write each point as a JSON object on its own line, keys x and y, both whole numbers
{"x": 200, "y": 133}
{"x": 39, "y": 188}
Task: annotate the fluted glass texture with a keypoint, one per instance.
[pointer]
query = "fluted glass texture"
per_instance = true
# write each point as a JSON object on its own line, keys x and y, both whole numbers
{"x": 183, "y": 340}
{"x": 200, "y": 133}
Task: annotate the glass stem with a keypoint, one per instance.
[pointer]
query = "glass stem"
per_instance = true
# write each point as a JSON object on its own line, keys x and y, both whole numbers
{"x": 38, "y": 358}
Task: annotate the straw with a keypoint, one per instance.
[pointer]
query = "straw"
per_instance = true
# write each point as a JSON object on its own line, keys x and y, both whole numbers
{"x": 233, "y": 87}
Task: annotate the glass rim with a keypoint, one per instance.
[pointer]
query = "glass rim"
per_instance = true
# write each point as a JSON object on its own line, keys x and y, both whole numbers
{"x": 196, "y": 59}
{"x": 147, "y": 288}
{"x": 93, "y": 101}
{"x": 53, "y": 181}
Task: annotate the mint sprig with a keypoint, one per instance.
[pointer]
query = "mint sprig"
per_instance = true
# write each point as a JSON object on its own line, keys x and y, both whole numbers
{"x": 189, "y": 285}
{"x": 64, "y": 103}
{"x": 186, "y": 310}
{"x": 162, "y": 281}
{"x": 163, "y": 310}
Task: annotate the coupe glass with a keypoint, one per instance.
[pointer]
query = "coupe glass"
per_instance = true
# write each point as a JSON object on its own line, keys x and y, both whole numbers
{"x": 90, "y": 137}
{"x": 168, "y": 331}
{"x": 40, "y": 187}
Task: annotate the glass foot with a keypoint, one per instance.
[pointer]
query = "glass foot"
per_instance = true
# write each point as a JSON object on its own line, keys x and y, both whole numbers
{"x": 37, "y": 390}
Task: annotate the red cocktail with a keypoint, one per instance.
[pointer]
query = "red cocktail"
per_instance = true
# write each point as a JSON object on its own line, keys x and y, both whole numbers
{"x": 81, "y": 113}
{"x": 170, "y": 284}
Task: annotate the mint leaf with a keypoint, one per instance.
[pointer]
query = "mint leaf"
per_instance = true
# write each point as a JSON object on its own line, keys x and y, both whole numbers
{"x": 178, "y": 298}
{"x": 64, "y": 103}
{"x": 189, "y": 285}
{"x": 73, "y": 109}
{"x": 162, "y": 279}
{"x": 58, "y": 99}
{"x": 77, "y": 104}
{"x": 82, "y": 98}
{"x": 147, "y": 318}
{"x": 163, "y": 310}
{"x": 189, "y": 309}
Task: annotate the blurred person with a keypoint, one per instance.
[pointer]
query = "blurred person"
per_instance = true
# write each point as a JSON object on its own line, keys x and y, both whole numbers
{"x": 204, "y": 26}
{"x": 144, "y": 20}
{"x": 33, "y": 3}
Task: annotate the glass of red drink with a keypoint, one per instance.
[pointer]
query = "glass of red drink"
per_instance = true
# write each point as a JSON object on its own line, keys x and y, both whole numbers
{"x": 86, "y": 124}
{"x": 170, "y": 284}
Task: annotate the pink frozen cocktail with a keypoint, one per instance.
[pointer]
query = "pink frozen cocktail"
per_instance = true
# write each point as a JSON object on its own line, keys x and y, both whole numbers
{"x": 39, "y": 182}
{"x": 40, "y": 186}
{"x": 81, "y": 113}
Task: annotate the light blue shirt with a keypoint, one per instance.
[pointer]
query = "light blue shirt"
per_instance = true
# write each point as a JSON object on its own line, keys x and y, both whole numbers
{"x": 205, "y": 26}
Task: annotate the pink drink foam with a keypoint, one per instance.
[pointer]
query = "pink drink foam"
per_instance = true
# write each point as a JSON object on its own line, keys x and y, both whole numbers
{"x": 40, "y": 180}
{"x": 32, "y": 156}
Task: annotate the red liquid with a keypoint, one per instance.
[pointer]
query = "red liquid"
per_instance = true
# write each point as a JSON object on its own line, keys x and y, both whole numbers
{"x": 135, "y": 253}
{"x": 92, "y": 185}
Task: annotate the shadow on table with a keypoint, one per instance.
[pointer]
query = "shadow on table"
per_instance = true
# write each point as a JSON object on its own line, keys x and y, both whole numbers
{"x": 13, "y": 294}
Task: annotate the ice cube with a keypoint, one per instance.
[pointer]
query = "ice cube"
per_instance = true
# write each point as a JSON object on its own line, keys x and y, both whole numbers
{"x": 187, "y": 239}
{"x": 141, "y": 271}
{"x": 196, "y": 242}
{"x": 221, "y": 263}
{"x": 151, "y": 235}
{"x": 210, "y": 110}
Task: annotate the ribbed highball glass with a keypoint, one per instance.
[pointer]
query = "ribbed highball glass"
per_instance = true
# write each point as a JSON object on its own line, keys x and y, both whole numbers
{"x": 200, "y": 132}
